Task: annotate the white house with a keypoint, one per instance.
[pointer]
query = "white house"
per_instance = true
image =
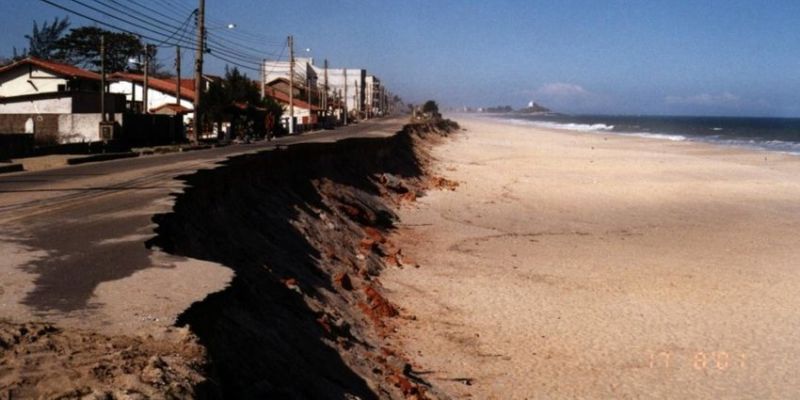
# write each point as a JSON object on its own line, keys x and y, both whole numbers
{"x": 55, "y": 102}
{"x": 33, "y": 75}
{"x": 160, "y": 92}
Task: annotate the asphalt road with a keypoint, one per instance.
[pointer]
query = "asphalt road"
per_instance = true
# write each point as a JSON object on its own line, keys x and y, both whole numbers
{"x": 72, "y": 239}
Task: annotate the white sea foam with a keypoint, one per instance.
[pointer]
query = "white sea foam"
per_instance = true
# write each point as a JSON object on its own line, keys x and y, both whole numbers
{"x": 564, "y": 126}
{"x": 781, "y": 146}
{"x": 574, "y": 127}
{"x": 595, "y": 128}
{"x": 661, "y": 136}
{"x": 720, "y": 138}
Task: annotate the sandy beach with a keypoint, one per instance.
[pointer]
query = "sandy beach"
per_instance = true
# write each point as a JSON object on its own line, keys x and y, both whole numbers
{"x": 589, "y": 265}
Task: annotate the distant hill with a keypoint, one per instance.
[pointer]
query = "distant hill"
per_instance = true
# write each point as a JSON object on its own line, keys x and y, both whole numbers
{"x": 534, "y": 108}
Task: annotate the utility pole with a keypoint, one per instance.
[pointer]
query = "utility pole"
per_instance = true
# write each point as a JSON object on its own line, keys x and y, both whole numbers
{"x": 263, "y": 77}
{"x": 325, "y": 95}
{"x": 356, "y": 103}
{"x": 103, "y": 78}
{"x": 345, "y": 96}
{"x": 291, "y": 84}
{"x": 178, "y": 74}
{"x": 198, "y": 69}
{"x": 146, "y": 79}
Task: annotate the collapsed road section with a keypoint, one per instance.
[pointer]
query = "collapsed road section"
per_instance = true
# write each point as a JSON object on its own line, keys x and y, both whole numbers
{"x": 304, "y": 229}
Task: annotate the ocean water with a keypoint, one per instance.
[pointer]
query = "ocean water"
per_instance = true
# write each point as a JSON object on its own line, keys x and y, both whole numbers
{"x": 776, "y": 134}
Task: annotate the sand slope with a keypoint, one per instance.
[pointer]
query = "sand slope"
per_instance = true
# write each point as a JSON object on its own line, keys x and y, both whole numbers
{"x": 589, "y": 266}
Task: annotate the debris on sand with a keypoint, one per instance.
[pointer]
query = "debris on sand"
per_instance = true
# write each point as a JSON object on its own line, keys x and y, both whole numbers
{"x": 38, "y": 360}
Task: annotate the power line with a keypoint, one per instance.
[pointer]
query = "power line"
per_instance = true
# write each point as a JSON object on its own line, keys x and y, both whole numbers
{"x": 160, "y": 23}
{"x": 193, "y": 11}
{"x": 224, "y": 49}
{"x": 117, "y": 28}
{"x": 238, "y": 55}
{"x": 245, "y": 35}
{"x": 120, "y": 19}
{"x": 227, "y": 43}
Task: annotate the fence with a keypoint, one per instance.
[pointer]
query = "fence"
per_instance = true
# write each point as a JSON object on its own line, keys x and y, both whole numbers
{"x": 13, "y": 145}
{"x": 151, "y": 130}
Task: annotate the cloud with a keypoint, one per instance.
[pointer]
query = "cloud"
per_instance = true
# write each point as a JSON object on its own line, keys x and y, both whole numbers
{"x": 705, "y": 99}
{"x": 562, "y": 90}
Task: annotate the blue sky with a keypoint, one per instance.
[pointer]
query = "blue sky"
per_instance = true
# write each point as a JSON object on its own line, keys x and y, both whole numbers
{"x": 619, "y": 57}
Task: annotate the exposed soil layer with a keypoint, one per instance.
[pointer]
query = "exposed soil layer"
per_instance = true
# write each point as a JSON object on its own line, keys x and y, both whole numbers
{"x": 305, "y": 230}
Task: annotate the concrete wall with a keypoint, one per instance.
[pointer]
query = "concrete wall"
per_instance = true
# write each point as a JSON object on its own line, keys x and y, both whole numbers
{"x": 16, "y": 82}
{"x": 38, "y": 106}
{"x": 51, "y": 129}
{"x": 78, "y": 128}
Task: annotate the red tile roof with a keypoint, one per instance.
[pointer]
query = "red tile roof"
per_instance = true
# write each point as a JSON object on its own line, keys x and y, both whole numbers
{"x": 65, "y": 70}
{"x": 175, "y": 108}
{"x": 186, "y": 83}
{"x": 162, "y": 85}
{"x": 282, "y": 97}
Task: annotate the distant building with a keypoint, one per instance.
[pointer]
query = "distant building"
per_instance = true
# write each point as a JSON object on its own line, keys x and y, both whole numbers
{"x": 305, "y": 75}
{"x": 373, "y": 96}
{"x": 305, "y": 113}
{"x": 350, "y": 82}
{"x": 361, "y": 94}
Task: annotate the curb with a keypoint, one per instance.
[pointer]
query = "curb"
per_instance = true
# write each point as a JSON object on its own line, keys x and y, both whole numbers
{"x": 5, "y": 168}
{"x": 101, "y": 157}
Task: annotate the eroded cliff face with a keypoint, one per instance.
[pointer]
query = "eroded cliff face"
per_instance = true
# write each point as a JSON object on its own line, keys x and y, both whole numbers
{"x": 304, "y": 229}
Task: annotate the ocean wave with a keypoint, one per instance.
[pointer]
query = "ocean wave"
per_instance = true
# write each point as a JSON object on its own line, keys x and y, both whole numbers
{"x": 759, "y": 144}
{"x": 563, "y": 126}
{"x": 661, "y": 136}
{"x": 756, "y": 134}
{"x": 595, "y": 128}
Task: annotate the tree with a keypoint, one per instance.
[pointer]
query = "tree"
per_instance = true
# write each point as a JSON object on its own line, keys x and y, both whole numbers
{"x": 42, "y": 41}
{"x": 251, "y": 114}
{"x": 430, "y": 107}
{"x": 155, "y": 68}
{"x": 82, "y": 47}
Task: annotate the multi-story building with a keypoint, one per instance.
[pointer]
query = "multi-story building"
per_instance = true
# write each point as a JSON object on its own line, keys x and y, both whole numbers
{"x": 374, "y": 96}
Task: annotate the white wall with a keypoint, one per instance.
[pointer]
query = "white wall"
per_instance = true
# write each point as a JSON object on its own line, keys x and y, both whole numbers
{"x": 155, "y": 98}
{"x": 280, "y": 69}
{"x": 15, "y": 82}
{"x": 40, "y": 106}
{"x": 80, "y": 128}
{"x": 336, "y": 83}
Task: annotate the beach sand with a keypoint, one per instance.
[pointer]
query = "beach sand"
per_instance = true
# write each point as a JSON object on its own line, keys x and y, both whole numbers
{"x": 589, "y": 265}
